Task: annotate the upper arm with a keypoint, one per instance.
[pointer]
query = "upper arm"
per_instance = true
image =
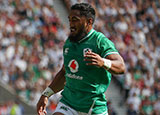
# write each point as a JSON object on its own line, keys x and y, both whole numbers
{"x": 114, "y": 57}
{"x": 108, "y": 50}
{"x": 118, "y": 65}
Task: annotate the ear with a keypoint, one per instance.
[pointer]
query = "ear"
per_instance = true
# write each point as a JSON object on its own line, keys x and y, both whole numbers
{"x": 90, "y": 21}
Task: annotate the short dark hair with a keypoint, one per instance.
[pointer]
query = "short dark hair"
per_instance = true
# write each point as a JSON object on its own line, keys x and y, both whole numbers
{"x": 85, "y": 10}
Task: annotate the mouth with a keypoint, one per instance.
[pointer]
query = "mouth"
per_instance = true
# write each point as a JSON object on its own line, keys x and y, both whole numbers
{"x": 73, "y": 30}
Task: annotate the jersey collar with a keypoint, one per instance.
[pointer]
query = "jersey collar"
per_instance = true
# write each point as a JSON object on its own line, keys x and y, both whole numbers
{"x": 89, "y": 33}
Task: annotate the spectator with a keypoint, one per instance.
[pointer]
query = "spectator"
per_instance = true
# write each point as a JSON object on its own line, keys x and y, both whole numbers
{"x": 11, "y": 108}
{"x": 131, "y": 111}
{"x": 134, "y": 101}
{"x": 156, "y": 107}
{"x": 30, "y": 46}
{"x": 146, "y": 106}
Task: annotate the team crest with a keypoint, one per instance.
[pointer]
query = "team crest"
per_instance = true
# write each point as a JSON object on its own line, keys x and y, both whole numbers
{"x": 86, "y": 50}
{"x": 73, "y": 66}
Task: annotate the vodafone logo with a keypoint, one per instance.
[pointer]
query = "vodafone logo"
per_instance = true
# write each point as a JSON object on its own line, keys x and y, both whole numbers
{"x": 73, "y": 65}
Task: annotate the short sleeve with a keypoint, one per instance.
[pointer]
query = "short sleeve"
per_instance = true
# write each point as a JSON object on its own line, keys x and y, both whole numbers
{"x": 106, "y": 46}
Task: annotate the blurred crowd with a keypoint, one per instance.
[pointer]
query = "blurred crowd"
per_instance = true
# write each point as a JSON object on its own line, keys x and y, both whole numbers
{"x": 134, "y": 27}
{"x": 11, "y": 108}
{"x": 31, "y": 42}
{"x": 32, "y": 37}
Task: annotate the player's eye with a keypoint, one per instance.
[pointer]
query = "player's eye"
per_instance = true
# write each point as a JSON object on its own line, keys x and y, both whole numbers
{"x": 71, "y": 20}
{"x": 74, "y": 19}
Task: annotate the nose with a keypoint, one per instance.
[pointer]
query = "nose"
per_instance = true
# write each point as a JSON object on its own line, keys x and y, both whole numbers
{"x": 70, "y": 24}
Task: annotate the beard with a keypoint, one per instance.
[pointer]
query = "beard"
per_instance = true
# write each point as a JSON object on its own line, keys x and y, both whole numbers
{"x": 81, "y": 33}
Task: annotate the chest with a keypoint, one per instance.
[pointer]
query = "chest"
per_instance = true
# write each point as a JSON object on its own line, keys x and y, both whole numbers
{"x": 77, "y": 50}
{"x": 74, "y": 55}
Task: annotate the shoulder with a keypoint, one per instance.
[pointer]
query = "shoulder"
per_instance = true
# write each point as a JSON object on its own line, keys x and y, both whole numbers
{"x": 67, "y": 41}
{"x": 98, "y": 34}
{"x": 101, "y": 38}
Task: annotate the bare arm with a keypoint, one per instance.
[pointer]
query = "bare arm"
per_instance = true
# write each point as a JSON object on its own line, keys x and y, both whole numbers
{"x": 56, "y": 85}
{"x": 58, "y": 82}
{"x": 118, "y": 66}
{"x": 117, "y": 63}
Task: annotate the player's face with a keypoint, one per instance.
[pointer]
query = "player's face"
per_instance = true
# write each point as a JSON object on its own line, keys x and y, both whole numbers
{"x": 78, "y": 25}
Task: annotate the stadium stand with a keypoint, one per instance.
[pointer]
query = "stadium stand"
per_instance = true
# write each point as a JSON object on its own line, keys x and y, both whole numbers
{"x": 31, "y": 42}
{"x": 32, "y": 37}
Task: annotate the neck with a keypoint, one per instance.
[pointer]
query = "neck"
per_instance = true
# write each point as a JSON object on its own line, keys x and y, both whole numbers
{"x": 89, "y": 29}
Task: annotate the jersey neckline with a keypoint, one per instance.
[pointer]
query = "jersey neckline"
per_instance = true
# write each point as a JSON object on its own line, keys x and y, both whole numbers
{"x": 89, "y": 33}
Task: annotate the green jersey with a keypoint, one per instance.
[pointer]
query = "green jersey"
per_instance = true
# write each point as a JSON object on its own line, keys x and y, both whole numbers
{"x": 85, "y": 85}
